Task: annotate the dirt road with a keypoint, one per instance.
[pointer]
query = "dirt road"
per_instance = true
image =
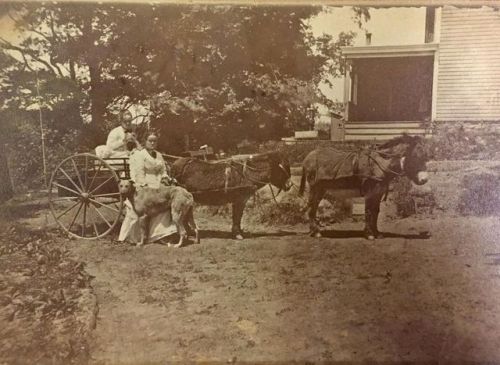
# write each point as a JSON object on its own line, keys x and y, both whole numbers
{"x": 282, "y": 296}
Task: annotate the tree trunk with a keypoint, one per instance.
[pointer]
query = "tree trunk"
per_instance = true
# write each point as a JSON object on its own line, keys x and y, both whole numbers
{"x": 5, "y": 182}
{"x": 97, "y": 107}
{"x": 97, "y": 102}
{"x": 72, "y": 72}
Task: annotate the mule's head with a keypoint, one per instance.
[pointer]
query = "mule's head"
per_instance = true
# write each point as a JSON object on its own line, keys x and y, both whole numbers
{"x": 415, "y": 160}
{"x": 126, "y": 187}
{"x": 280, "y": 171}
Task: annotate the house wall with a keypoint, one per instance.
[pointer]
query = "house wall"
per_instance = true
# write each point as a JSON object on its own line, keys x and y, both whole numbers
{"x": 468, "y": 80}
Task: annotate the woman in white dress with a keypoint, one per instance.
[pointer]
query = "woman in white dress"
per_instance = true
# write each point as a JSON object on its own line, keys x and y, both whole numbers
{"x": 147, "y": 168}
{"x": 120, "y": 140}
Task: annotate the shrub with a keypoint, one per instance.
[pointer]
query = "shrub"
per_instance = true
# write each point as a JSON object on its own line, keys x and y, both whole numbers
{"x": 481, "y": 195}
{"x": 297, "y": 151}
{"x": 455, "y": 142}
{"x": 410, "y": 201}
{"x": 290, "y": 213}
{"x": 25, "y": 155}
{"x": 405, "y": 205}
{"x": 293, "y": 210}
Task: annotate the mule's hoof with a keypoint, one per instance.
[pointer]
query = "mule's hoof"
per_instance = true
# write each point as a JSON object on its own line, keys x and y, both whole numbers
{"x": 370, "y": 237}
{"x": 315, "y": 234}
{"x": 238, "y": 237}
{"x": 139, "y": 244}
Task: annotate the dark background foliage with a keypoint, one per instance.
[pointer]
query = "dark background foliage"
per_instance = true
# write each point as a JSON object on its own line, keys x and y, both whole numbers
{"x": 213, "y": 75}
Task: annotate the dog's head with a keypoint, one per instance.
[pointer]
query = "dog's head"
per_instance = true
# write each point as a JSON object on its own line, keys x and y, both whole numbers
{"x": 126, "y": 187}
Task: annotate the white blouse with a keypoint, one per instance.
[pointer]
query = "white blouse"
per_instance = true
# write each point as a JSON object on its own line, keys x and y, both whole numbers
{"x": 116, "y": 139}
{"x": 146, "y": 170}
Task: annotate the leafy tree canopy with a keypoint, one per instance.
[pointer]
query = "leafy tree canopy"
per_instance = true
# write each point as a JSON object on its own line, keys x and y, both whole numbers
{"x": 218, "y": 74}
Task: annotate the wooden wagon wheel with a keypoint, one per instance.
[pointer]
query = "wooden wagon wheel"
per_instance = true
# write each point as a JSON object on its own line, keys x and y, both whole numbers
{"x": 84, "y": 197}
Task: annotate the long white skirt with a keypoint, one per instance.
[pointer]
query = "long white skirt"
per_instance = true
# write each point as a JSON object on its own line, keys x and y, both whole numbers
{"x": 104, "y": 151}
{"x": 160, "y": 226}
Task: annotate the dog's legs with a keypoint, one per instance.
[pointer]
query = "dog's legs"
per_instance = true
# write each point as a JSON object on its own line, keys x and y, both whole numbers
{"x": 191, "y": 222}
{"x": 144, "y": 224}
{"x": 181, "y": 230}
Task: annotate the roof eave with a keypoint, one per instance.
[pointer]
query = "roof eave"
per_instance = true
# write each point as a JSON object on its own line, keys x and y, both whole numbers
{"x": 426, "y": 49}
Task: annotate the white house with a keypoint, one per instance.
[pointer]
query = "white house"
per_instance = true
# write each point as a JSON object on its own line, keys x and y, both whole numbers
{"x": 452, "y": 76}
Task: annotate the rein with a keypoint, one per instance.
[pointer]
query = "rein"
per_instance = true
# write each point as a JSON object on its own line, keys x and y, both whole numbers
{"x": 387, "y": 169}
{"x": 244, "y": 173}
{"x": 256, "y": 181}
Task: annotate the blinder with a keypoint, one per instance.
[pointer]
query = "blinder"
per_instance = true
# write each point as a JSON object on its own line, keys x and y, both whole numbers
{"x": 288, "y": 183}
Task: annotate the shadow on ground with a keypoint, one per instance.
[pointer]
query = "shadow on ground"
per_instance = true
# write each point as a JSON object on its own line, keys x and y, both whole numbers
{"x": 210, "y": 233}
{"x": 361, "y": 234}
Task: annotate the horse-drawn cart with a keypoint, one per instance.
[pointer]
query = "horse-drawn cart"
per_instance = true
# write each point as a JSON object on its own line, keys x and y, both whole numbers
{"x": 83, "y": 194}
{"x": 84, "y": 197}
{"x": 85, "y": 202}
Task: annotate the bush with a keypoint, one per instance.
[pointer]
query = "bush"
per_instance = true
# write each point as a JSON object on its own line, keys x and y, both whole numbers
{"x": 293, "y": 210}
{"x": 410, "y": 201}
{"x": 290, "y": 213}
{"x": 405, "y": 205}
{"x": 297, "y": 151}
{"x": 481, "y": 195}
{"x": 25, "y": 155}
{"x": 455, "y": 142}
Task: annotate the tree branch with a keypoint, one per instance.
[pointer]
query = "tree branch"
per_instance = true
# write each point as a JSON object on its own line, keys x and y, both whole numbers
{"x": 26, "y": 63}
{"x": 39, "y": 33}
{"x": 7, "y": 45}
{"x": 54, "y": 64}
{"x": 52, "y": 40}
{"x": 52, "y": 28}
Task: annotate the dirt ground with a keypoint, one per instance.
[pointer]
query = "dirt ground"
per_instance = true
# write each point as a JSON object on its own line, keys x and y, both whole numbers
{"x": 429, "y": 291}
{"x": 281, "y": 295}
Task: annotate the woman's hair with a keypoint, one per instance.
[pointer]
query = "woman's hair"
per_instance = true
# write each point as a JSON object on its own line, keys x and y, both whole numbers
{"x": 122, "y": 114}
{"x": 150, "y": 132}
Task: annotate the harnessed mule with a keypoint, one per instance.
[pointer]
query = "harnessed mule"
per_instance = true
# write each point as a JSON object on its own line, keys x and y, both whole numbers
{"x": 369, "y": 171}
{"x": 233, "y": 180}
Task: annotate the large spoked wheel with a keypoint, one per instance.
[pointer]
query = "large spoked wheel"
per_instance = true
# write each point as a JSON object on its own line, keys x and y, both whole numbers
{"x": 84, "y": 197}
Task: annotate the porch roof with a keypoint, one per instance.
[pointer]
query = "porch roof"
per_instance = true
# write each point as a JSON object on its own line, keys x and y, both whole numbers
{"x": 426, "y": 49}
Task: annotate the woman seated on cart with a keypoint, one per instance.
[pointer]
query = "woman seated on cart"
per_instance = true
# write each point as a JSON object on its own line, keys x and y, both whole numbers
{"x": 121, "y": 140}
{"x": 147, "y": 168}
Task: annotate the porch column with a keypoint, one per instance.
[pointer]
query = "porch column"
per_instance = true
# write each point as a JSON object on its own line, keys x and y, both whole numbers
{"x": 347, "y": 88}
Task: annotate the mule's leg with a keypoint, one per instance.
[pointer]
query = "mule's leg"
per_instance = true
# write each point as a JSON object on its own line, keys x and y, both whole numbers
{"x": 372, "y": 208}
{"x": 315, "y": 195}
{"x": 238, "y": 207}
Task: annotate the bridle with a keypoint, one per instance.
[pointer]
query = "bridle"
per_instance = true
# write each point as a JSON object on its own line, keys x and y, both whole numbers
{"x": 386, "y": 169}
{"x": 245, "y": 175}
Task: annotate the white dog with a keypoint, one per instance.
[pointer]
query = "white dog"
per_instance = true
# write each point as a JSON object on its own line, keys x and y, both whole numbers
{"x": 148, "y": 202}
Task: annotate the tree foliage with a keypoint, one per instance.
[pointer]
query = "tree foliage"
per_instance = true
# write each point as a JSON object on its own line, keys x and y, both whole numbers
{"x": 207, "y": 74}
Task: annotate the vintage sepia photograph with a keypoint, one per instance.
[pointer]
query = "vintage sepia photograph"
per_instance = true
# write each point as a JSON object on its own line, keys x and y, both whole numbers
{"x": 249, "y": 182}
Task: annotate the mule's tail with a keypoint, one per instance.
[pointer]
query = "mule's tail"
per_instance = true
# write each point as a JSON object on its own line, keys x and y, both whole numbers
{"x": 302, "y": 182}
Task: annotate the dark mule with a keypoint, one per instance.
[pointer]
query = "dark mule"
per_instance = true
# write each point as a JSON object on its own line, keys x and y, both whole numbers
{"x": 233, "y": 180}
{"x": 367, "y": 171}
